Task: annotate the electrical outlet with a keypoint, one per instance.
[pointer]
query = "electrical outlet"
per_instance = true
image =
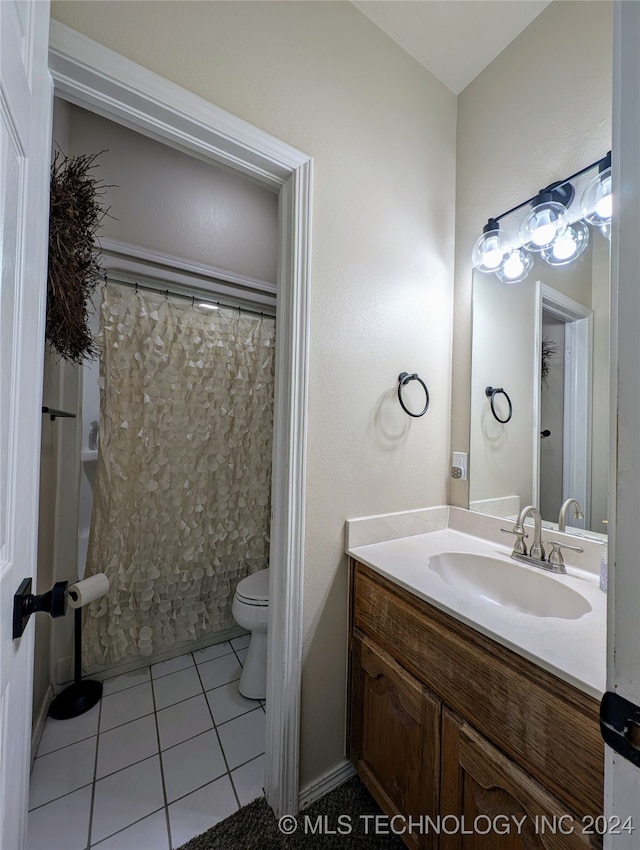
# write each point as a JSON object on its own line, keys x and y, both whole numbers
{"x": 459, "y": 466}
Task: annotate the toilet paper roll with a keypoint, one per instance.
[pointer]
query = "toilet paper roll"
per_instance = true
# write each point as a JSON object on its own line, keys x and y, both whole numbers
{"x": 85, "y": 591}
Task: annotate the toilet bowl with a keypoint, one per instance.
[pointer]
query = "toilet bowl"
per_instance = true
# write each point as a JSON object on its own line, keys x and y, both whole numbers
{"x": 250, "y": 610}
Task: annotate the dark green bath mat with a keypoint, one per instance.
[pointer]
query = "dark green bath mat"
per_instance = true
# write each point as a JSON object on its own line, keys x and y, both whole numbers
{"x": 341, "y": 820}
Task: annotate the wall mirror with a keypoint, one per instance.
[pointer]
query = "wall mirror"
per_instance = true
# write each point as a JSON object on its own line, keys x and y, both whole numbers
{"x": 545, "y": 342}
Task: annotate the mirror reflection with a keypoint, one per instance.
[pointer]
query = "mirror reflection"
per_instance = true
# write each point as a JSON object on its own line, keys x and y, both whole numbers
{"x": 544, "y": 341}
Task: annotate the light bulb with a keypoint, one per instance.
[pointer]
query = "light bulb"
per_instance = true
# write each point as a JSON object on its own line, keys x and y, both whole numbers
{"x": 490, "y": 249}
{"x": 516, "y": 267}
{"x": 568, "y": 245}
{"x": 543, "y": 234}
{"x": 597, "y": 200}
{"x": 565, "y": 246}
{"x": 209, "y": 306}
{"x": 542, "y": 225}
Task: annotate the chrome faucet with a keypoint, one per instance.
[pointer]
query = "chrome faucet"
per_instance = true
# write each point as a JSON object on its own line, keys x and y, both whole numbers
{"x": 562, "y": 519}
{"x": 537, "y": 549}
{"x": 536, "y": 554}
{"x": 520, "y": 553}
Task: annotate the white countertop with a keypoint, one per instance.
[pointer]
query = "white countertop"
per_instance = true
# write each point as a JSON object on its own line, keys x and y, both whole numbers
{"x": 573, "y": 650}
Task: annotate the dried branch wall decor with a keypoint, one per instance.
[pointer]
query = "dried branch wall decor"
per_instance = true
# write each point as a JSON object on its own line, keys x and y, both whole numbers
{"x": 75, "y": 215}
{"x": 549, "y": 349}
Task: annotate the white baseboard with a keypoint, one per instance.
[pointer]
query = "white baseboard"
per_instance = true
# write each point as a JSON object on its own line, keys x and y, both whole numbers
{"x": 333, "y": 778}
{"x": 38, "y": 727}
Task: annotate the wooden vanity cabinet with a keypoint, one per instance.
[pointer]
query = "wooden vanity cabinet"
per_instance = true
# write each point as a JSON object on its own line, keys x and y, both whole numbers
{"x": 444, "y": 721}
{"x": 395, "y": 736}
{"x": 509, "y": 809}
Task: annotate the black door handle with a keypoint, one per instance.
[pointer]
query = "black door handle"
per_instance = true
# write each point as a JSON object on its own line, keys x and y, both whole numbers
{"x": 545, "y": 433}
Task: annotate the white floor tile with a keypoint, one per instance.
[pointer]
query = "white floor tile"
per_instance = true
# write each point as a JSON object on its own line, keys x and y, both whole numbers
{"x": 249, "y": 780}
{"x": 61, "y": 733}
{"x": 176, "y": 687}
{"x": 211, "y": 652}
{"x": 226, "y": 702}
{"x": 125, "y": 706}
{"x": 182, "y": 721}
{"x": 201, "y": 810}
{"x": 126, "y": 680}
{"x": 219, "y": 672}
{"x": 241, "y": 642}
{"x": 151, "y": 833}
{"x": 125, "y": 797}
{"x": 192, "y": 764}
{"x": 172, "y": 665}
{"x": 243, "y": 738}
{"x": 242, "y": 654}
{"x": 61, "y": 825}
{"x": 62, "y": 771}
{"x": 127, "y": 744}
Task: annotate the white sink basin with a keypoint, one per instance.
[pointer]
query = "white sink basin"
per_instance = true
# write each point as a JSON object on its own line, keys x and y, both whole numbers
{"x": 508, "y": 584}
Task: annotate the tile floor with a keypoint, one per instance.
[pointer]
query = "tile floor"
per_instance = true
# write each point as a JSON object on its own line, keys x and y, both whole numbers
{"x": 169, "y": 751}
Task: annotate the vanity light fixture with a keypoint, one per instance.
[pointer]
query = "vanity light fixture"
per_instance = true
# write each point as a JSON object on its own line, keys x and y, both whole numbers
{"x": 491, "y": 249}
{"x": 597, "y": 200}
{"x": 568, "y": 245}
{"x": 548, "y": 218}
{"x": 552, "y": 228}
{"x": 516, "y": 267}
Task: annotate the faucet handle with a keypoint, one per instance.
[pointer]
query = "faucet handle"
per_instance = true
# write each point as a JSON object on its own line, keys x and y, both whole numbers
{"x": 555, "y": 556}
{"x": 519, "y": 547}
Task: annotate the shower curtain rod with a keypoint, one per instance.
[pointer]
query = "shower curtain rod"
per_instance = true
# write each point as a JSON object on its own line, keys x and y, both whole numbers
{"x": 266, "y": 313}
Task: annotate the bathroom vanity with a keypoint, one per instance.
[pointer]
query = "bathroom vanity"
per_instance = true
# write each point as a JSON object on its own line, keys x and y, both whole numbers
{"x": 468, "y": 707}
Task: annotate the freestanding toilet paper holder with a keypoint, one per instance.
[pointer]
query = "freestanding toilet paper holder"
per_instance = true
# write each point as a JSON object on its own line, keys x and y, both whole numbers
{"x": 82, "y": 694}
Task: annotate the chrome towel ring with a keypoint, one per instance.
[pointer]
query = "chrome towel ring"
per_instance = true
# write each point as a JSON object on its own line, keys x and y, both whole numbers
{"x": 492, "y": 392}
{"x": 403, "y": 380}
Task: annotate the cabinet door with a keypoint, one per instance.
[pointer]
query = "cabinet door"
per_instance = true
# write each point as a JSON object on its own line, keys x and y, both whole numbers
{"x": 394, "y": 735}
{"x": 484, "y": 791}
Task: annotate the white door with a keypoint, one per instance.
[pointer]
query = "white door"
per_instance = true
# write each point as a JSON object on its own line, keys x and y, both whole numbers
{"x": 622, "y": 779}
{"x": 25, "y": 140}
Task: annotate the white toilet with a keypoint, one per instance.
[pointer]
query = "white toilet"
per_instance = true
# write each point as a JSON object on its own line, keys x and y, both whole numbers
{"x": 250, "y": 610}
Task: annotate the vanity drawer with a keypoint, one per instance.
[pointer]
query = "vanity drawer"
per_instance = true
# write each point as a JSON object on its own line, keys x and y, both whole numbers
{"x": 548, "y": 727}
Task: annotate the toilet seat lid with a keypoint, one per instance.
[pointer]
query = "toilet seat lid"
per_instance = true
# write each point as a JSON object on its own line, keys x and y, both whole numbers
{"x": 255, "y": 587}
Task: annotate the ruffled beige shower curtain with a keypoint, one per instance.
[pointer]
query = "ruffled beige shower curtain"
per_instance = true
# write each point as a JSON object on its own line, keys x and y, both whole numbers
{"x": 182, "y": 491}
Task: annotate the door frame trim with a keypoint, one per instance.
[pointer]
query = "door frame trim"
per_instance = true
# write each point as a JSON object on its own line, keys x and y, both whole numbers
{"x": 92, "y": 76}
{"x": 576, "y": 442}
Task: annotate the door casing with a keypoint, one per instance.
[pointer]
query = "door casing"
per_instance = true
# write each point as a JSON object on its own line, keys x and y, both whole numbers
{"x": 93, "y": 77}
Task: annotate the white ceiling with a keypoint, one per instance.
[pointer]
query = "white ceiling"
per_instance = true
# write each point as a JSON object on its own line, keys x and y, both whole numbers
{"x": 454, "y": 39}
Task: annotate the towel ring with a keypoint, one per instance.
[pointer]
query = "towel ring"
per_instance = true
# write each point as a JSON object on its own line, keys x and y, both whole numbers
{"x": 492, "y": 392}
{"x": 403, "y": 379}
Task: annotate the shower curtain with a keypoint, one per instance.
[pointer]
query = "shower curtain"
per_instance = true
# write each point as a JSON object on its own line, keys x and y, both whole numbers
{"x": 182, "y": 491}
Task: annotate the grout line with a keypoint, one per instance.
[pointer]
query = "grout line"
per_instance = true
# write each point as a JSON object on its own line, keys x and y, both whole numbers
{"x": 67, "y": 793}
{"x": 233, "y": 782}
{"x": 127, "y": 766}
{"x": 128, "y": 687}
{"x": 117, "y": 832}
{"x": 216, "y": 779}
{"x": 64, "y": 746}
{"x": 164, "y": 787}
{"x": 248, "y": 761}
{"x": 95, "y": 773}
{"x": 173, "y": 746}
{"x": 126, "y": 722}
{"x": 244, "y": 714}
{"x": 224, "y": 755}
